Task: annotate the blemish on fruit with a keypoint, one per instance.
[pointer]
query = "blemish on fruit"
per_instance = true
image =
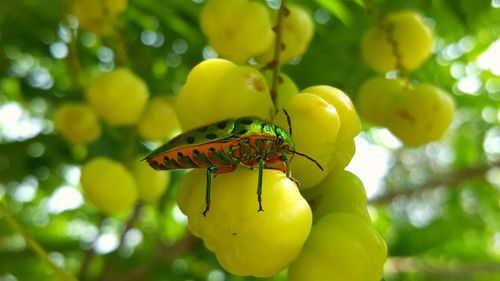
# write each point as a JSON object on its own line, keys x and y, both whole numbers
{"x": 406, "y": 116}
{"x": 255, "y": 83}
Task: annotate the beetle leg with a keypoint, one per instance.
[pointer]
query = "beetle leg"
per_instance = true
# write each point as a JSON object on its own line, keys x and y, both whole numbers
{"x": 210, "y": 170}
{"x": 259, "y": 184}
{"x": 288, "y": 172}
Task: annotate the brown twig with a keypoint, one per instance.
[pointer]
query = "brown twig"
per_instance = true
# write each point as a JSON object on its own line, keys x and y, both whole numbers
{"x": 134, "y": 216}
{"x": 449, "y": 180}
{"x": 89, "y": 253}
{"x": 456, "y": 271}
{"x": 388, "y": 28}
{"x": 278, "y": 47}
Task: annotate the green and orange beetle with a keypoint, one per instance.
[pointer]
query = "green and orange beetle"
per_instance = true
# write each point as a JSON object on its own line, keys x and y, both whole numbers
{"x": 222, "y": 146}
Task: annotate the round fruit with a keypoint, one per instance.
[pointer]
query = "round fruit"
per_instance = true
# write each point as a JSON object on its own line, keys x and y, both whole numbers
{"x": 342, "y": 192}
{"x": 237, "y": 29}
{"x": 159, "y": 120}
{"x": 375, "y": 97}
{"x": 411, "y": 41}
{"x": 420, "y": 115}
{"x": 119, "y": 97}
{"x": 296, "y": 33}
{"x": 108, "y": 185}
{"x": 344, "y": 151}
{"x": 98, "y": 16}
{"x": 218, "y": 89}
{"x": 349, "y": 120}
{"x": 151, "y": 184}
{"x": 77, "y": 123}
{"x": 245, "y": 241}
{"x": 286, "y": 88}
{"x": 340, "y": 247}
{"x": 315, "y": 125}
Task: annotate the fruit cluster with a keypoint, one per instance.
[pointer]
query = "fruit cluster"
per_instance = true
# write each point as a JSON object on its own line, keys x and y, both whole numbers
{"x": 321, "y": 230}
{"x": 98, "y": 16}
{"x": 240, "y": 30}
{"x": 247, "y": 242}
{"x": 416, "y": 113}
{"x": 119, "y": 98}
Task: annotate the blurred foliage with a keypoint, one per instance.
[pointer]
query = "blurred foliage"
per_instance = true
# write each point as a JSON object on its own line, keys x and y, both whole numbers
{"x": 446, "y": 228}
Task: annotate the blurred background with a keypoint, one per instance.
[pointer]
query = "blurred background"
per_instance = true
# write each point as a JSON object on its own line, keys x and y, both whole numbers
{"x": 437, "y": 206}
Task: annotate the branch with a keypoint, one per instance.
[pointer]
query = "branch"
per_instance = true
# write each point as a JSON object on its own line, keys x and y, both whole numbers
{"x": 42, "y": 254}
{"x": 449, "y": 180}
{"x": 455, "y": 271}
{"x": 181, "y": 247}
{"x": 278, "y": 47}
{"x": 166, "y": 254}
{"x": 107, "y": 267}
{"x": 89, "y": 253}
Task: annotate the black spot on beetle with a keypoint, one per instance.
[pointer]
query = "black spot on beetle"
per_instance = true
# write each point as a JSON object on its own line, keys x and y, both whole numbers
{"x": 196, "y": 151}
{"x": 190, "y": 140}
{"x": 180, "y": 155}
{"x": 246, "y": 121}
{"x": 211, "y": 136}
{"x": 212, "y": 149}
{"x": 222, "y": 124}
{"x": 202, "y": 129}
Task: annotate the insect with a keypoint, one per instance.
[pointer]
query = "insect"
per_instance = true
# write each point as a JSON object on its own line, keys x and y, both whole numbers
{"x": 222, "y": 146}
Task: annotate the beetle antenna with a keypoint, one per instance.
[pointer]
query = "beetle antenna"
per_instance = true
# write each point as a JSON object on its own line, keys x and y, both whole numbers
{"x": 308, "y": 157}
{"x": 289, "y": 121}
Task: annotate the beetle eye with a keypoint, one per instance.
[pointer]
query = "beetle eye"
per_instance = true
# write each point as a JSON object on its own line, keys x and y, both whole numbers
{"x": 279, "y": 140}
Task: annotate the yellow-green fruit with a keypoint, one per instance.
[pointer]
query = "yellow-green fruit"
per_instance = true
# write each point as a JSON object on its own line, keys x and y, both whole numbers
{"x": 315, "y": 125}
{"x": 420, "y": 115}
{"x": 375, "y": 97}
{"x": 151, "y": 184}
{"x": 297, "y": 31}
{"x": 340, "y": 247}
{"x": 159, "y": 120}
{"x": 77, "y": 123}
{"x": 245, "y": 241}
{"x": 286, "y": 88}
{"x": 237, "y": 29}
{"x": 343, "y": 192}
{"x": 108, "y": 185}
{"x": 98, "y": 16}
{"x": 349, "y": 120}
{"x": 344, "y": 151}
{"x": 119, "y": 97}
{"x": 412, "y": 38}
{"x": 218, "y": 89}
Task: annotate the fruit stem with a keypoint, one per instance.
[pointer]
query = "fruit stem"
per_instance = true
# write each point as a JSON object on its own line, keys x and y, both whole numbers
{"x": 9, "y": 219}
{"x": 278, "y": 46}
{"x": 120, "y": 47}
{"x": 388, "y": 28}
{"x": 73, "y": 60}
